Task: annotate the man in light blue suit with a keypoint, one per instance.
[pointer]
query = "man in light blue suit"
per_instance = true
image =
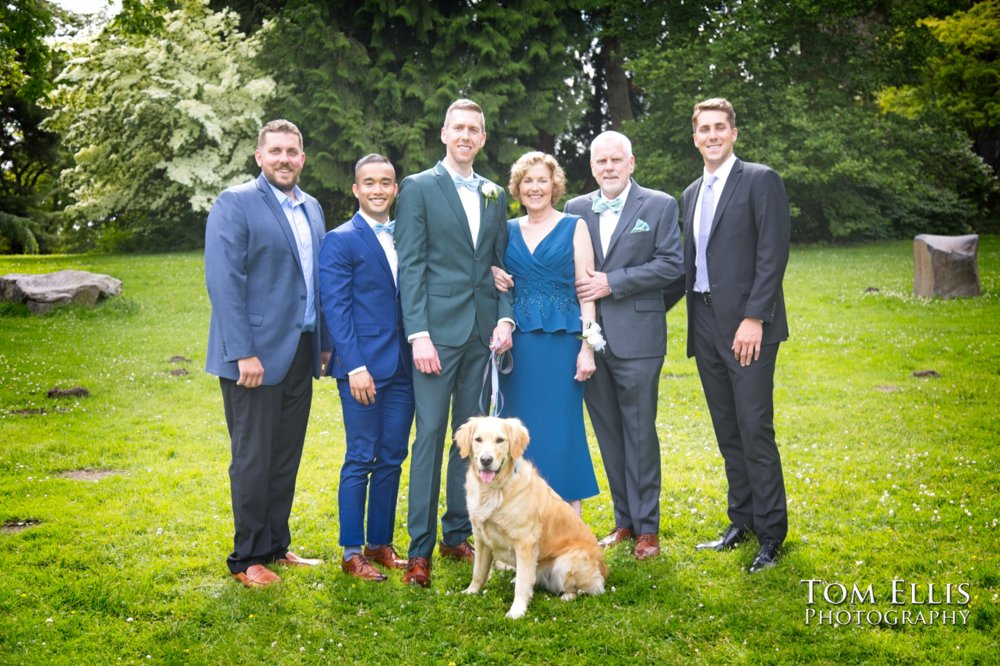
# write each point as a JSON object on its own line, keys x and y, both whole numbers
{"x": 265, "y": 343}
{"x": 372, "y": 363}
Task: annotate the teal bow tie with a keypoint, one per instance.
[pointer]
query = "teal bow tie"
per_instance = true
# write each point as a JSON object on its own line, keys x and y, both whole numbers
{"x": 387, "y": 228}
{"x": 471, "y": 183}
{"x": 601, "y": 204}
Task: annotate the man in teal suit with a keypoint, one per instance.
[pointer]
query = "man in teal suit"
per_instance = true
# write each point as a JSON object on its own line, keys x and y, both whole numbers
{"x": 451, "y": 227}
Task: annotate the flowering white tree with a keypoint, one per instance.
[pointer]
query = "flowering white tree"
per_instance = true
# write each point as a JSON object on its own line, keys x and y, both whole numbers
{"x": 158, "y": 125}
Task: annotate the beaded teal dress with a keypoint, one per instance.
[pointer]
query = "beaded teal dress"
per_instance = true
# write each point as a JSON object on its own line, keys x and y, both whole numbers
{"x": 541, "y": 390}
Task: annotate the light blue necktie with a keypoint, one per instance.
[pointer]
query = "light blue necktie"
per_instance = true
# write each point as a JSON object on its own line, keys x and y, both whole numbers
{"x": 471, "y": 183}
{"x": 701, "y": 282}
{"x": 601, "y": 204}
{"x": 387, "y": 228}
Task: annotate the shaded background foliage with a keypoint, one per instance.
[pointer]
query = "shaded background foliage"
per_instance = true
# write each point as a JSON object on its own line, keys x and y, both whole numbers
{"x": 882, "y": 117}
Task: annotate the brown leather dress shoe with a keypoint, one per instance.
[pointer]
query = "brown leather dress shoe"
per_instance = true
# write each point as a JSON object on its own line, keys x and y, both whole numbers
{"x": 257, "y": 575}
{"x": 359, "y": 567}
{"x": 646, "y": 546}
{"x": 463, "y": 552}
{"x": 293, "y": 560}
{"x": 617, "y": 535}
{"x": 418, "y": 572}
{"x": 386, "y": 556}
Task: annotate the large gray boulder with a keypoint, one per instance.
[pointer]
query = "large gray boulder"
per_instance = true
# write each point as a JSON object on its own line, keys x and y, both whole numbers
{"x": 946, "y": 266}
{"x": 42, "y": 292}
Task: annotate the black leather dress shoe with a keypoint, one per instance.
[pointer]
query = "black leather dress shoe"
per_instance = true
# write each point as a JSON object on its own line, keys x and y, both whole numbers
{"x": 766, "y": 558}
{"x": 732, "y": 537}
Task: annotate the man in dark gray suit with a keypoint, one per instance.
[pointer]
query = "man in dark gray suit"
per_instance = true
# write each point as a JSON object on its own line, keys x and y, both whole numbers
{"x": 637, "y": 253}
{"x": 264, "y": 343}
{"x": 736, "y": 241}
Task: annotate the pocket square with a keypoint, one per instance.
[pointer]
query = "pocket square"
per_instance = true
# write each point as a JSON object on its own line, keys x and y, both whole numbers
{"x": 640, "y": 226}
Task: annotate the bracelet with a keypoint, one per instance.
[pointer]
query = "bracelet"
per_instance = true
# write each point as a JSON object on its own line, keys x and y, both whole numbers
{"x": 592, "y": 335}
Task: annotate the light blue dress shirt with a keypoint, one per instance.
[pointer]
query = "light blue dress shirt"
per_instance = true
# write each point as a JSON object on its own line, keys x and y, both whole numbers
{"x": 295, "y": 213}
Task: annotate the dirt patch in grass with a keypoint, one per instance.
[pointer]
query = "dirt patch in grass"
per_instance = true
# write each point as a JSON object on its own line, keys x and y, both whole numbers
{"x": 926, "y": 373}
{"x": 179, "y": 359}
{"x": 94, "y": 475}
{"x": 14, "y": 526}
{"x": 75, "y": 392}
{"x": 179, "y": 372}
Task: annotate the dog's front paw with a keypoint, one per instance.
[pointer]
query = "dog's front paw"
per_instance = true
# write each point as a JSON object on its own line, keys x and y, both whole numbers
{"x": 472, "y": 589}
{"x": 517, "y": 611}
{"x": 568, "y": 596}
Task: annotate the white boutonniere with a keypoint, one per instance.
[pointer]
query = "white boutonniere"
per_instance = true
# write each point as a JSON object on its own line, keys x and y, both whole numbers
{"x": 490, "y": 191}
{"x": 592, "y": 335}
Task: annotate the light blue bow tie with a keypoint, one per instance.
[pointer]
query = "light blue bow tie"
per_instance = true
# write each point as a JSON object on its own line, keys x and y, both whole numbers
{"x": 601, "y": 204}
{"x": 471, "y": 183}
{"x": 387, "y": 228}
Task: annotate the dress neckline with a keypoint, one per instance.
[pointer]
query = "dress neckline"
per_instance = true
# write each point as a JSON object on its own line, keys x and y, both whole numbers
{"x": 520, "y": 233}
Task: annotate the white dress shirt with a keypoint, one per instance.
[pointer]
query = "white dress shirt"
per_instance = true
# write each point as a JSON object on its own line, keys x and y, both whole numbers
{"x": 609, "y": 219}
{"x": 470, "y": 202}
{"x": 721, "y": 175}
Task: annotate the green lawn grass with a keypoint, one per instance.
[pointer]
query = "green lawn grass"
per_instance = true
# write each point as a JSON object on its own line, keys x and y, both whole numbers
{"x": 889, "y": 477}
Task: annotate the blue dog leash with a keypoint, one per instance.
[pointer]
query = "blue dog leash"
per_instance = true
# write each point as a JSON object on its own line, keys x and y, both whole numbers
{"x": 498, "y": 364}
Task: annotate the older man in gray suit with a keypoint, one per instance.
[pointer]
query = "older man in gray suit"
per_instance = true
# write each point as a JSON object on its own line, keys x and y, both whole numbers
{"x": 637, "y": 253}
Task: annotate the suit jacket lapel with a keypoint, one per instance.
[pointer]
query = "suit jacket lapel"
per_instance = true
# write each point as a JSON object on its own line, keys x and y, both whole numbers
{"x": 689, "y": 208}
{"x": 593, "y": 221}
{"x": 279, "y": 216}
{"x": 447, "y": 186}
{"x": 630, "y": 212}
{"x": 727, "y": 194}
{"x": 371, "y": 241}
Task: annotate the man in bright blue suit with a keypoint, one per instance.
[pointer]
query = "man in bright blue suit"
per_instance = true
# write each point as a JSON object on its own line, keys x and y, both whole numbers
{"x": 372, "y": 364}
{"x": 265, "y": 343}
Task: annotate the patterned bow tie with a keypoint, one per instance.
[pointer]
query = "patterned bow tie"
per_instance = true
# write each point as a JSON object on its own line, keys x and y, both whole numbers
{"x": 387, "y": 228}
{"x": 614, "y": 205}
{"x": 471, "y": 183}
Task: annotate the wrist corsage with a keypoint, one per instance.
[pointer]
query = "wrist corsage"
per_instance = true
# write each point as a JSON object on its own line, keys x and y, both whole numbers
{"x": 592, "y": 335}
{"x": 490, "y": 191}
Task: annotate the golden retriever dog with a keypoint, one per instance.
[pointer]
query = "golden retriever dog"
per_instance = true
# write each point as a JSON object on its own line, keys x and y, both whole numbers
{"x": 520, "y": 521}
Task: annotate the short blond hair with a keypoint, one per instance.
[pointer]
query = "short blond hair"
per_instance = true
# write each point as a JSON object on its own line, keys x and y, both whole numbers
{"x": 714, "y": 104}
{"x": 465, "y": 105}
{"x": 528, "y": 160}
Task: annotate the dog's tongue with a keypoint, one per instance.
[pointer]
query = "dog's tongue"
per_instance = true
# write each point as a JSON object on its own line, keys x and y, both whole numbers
{"x": 486, "y": 475}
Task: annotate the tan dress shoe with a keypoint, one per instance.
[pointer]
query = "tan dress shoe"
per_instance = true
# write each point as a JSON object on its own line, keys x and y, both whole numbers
{"x": 257, "y": 575}
{"x": 646, "y": 546}
{"x": 293, "y": 560}
{"x": 386, "y": 556}
{"x": 418, "y": 572}
{"x": 463, "y": 552}
{"x": 617, "y": 535}
{"x": 359, "y": 567}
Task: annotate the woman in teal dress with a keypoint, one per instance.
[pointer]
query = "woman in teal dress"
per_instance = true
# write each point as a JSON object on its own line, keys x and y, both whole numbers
{"x": 546, "y": 252}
